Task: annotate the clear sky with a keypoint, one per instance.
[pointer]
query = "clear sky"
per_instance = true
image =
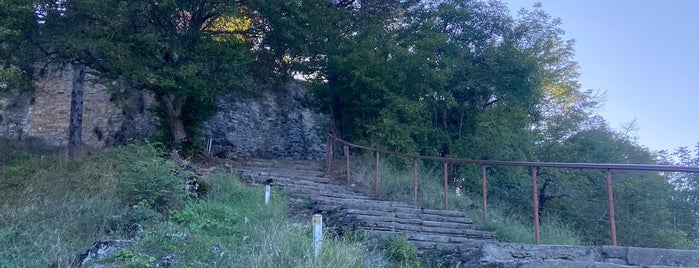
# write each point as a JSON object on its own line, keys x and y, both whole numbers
{"x": 644, "y": 55}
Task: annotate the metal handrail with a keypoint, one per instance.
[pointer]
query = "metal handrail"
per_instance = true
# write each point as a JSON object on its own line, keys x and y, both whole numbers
{"x": 604, "y": 166}
{"x": 483, "y": 163}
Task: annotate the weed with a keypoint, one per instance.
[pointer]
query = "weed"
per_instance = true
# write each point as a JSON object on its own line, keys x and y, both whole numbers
{"x": 399, "y": 250}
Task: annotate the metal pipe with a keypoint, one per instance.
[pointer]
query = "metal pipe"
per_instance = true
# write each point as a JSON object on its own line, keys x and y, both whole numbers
{"x": 446, "y": 187}
{"x": 415, "y": 180}
{"x": 377, "y": 176}
{"x": 610, "y": 201}
{"x": 535, "y": 199}
{"x": 485, "y": 194}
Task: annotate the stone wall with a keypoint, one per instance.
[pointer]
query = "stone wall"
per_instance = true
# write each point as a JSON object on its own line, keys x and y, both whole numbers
{"x": 279, "y": 123}
{"x": 542, "y": 256}
{"x": 45, "y": 113}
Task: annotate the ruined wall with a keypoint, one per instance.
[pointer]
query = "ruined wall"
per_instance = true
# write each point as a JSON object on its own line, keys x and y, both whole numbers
{"x": 45, "y": 113}
{"x": 276, "y": 123}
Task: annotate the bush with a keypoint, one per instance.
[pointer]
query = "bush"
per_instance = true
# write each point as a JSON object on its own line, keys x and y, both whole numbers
{"x": 153, "y": 182}
{"x": 399, "y": 250}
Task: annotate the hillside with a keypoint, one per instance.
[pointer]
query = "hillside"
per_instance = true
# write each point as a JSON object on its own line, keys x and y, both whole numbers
{"x": 131, "y": 202}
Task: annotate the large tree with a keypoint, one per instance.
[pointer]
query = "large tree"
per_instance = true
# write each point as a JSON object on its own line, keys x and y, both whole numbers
{"x": 184, "y": 52}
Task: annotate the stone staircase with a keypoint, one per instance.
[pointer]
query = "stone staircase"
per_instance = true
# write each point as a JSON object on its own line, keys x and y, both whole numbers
{"x": 346, "y": 209}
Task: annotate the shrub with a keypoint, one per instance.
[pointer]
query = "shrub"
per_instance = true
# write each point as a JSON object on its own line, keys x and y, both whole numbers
{"x": 153, "y": 182}
{"x": 398, "y": 249}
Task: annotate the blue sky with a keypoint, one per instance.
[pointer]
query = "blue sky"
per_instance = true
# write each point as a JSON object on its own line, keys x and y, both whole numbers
{"x": 644, "y": 55}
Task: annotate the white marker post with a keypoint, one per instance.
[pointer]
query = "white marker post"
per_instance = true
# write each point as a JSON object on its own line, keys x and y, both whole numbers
{"x": 317, "y": 222}
{"x": 268, "y": 189}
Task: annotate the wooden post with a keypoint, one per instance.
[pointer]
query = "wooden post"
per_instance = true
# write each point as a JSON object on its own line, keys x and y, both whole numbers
{"x": 378, "y": 195}
{"x": 446, "y": 187}
{"x": 415, "y": 180}
{"x": 610, "y": 202}
{"x": 485, "y": 193}
{"x": 348, "y": 166}
{"x": 535, "y": 199}
{"x": 327, "y": 153}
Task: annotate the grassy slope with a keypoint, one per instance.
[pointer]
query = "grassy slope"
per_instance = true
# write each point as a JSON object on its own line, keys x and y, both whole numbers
{"x": 51, "y": 209}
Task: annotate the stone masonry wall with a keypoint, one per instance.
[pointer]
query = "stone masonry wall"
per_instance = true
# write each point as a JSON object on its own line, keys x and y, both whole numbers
{"x": 45, "y": 113}
{"x": 506, "y": 255}
{"x": 276, "y": 124}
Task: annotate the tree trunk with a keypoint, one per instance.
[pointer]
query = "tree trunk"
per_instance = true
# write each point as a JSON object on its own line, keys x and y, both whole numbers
{"x": 75, "y": 128}
{"x": 173, "y": 110}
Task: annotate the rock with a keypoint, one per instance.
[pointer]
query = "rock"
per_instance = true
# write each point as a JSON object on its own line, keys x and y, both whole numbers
{"x": 99, "y": 250}
{"x": 167, "y": 261}
{"x": 280, "y": 123}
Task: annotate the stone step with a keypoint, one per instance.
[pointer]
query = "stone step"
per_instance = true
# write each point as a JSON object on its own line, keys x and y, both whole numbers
{"x": 263, "y": 176}
{"x": 285, "y": 164}
{"x": 374, "y": 223}
{"x": 429, "y": 218}
{"x": 283, "y": 172}
{"x": 398, "y": 207}
{"x": 411, "y": 219}
{"x": 321, "y": 188}
{"x": 352, "y": 210}
{"x": 431, "y": 241}
{"x": 310, "y": 193}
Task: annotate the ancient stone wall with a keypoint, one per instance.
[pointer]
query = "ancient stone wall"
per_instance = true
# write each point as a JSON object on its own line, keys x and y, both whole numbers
{"x": 281, "y": 123}
{"x": 45, "y": 113}
{"x": 276, "y": 123}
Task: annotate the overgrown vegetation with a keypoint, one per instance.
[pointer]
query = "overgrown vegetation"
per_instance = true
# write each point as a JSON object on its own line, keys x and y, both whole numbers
{"x": 52, "y": 209}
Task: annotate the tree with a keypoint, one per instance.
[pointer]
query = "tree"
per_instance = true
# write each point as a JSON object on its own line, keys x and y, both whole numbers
{"x": 184, "y": 52}
{"x": 17, "y": 30}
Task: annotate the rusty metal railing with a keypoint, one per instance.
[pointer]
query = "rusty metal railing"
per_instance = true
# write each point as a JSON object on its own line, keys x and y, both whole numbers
{"x": 484, "y": 163}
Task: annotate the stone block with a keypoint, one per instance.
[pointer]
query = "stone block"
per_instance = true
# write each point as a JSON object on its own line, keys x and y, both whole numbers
{"x": 662, "y": 257}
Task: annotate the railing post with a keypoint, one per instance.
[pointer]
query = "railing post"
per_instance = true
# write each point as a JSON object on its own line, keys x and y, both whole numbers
{"x": 610, "y": 201}
{"x": 485, "y": 194}
{"x": 446, "y": 187}
{"x": 535, "y": 198}
{"x": 377, "y": 175}
{"x": 415, "y": 180}
{"x": 348, "y": 165}
{"x": 328, "y": 151}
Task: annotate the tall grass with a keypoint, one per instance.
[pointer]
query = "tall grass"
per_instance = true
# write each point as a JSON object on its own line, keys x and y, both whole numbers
{"x": 510, "y": 222}
{"x": 233, "y": 228}
{"x": 52, "y": 209}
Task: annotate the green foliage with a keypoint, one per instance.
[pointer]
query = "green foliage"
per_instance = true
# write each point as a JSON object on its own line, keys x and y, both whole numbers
{"x": 64, "y": 206}
{"x": 399, "y": 250}
{"x": 210, "y": 217}
{"x": 61, "y": 207}
{"x": 437, "y": 257}
{"x": 154, "y": 182}
{"x": 127, "y": 258}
